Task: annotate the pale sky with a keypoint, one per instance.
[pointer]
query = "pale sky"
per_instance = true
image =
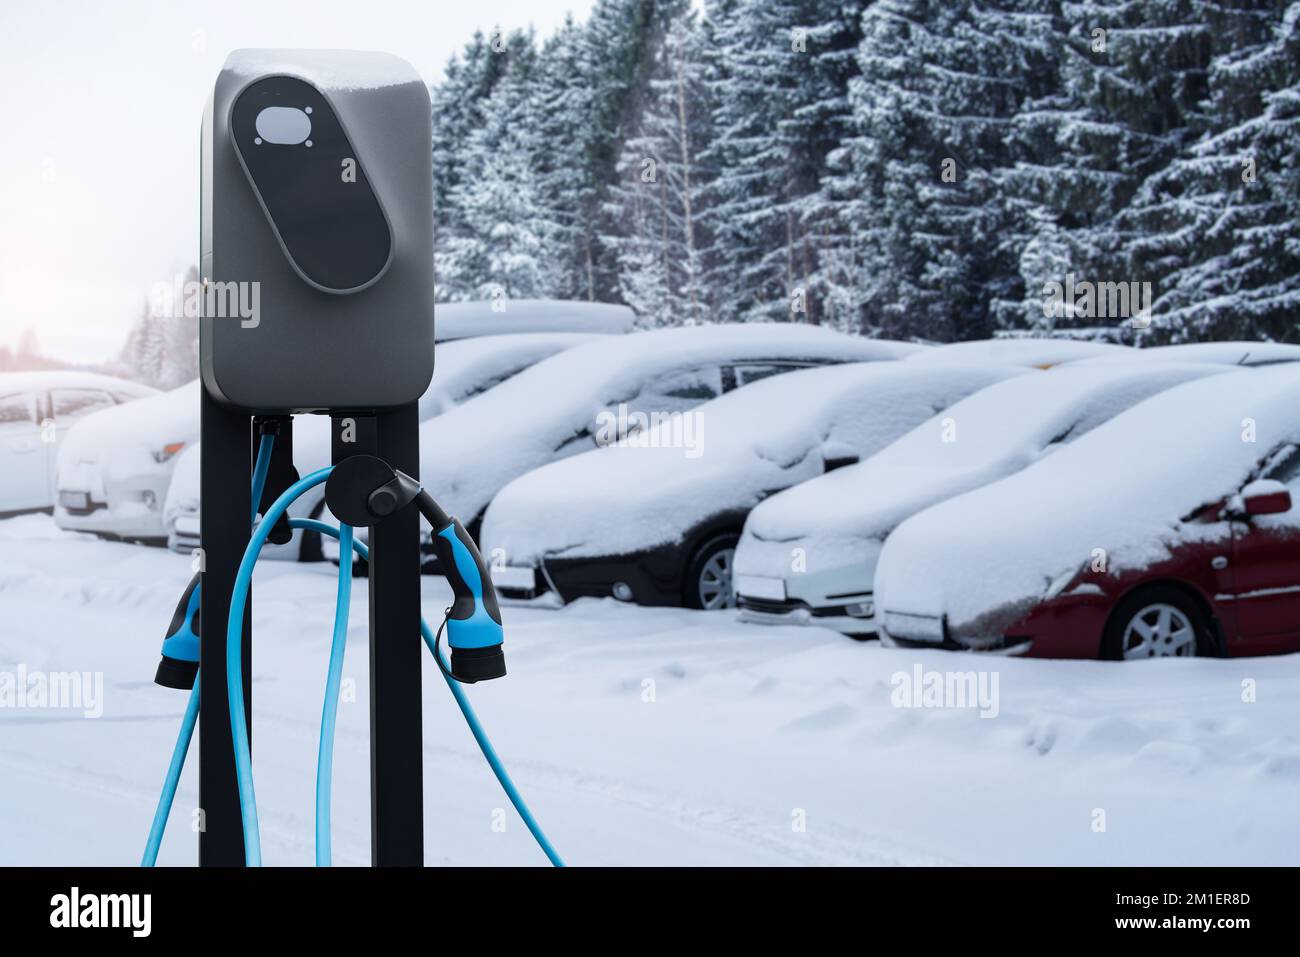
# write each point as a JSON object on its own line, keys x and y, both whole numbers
{"x": 101, "y": 103}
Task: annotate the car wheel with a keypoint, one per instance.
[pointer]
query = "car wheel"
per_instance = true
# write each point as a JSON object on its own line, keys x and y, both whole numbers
{"x": 1156, "y": 622}
{"x": 708, "y": 580}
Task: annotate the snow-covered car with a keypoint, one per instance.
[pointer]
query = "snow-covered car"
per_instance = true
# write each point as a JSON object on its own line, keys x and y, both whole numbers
{"x": 36, "y": 411}
{"x": 115, "y": 465}
{"x": 808, "y": 555}
{"x": 1038, "y": 353}
{"x": 1172, "y": 530}
{"x": 650, "y": 521}
{"x": 597, "y": 393}
{"x": 461, "y": 320}
{"x": 1238, "y": 353}
{"x": 464, "y": 368}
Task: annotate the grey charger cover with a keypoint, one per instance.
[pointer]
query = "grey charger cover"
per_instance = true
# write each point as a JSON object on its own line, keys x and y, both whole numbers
{"x": 367, "y": 344}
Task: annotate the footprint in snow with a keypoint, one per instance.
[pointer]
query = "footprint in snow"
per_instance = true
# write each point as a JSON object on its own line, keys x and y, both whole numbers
{"x": 1041, "y": 734}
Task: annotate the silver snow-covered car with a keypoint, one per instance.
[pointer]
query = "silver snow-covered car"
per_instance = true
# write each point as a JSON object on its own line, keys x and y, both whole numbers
{"x": 115, "y": 465}
{"x": 37, "y": 409}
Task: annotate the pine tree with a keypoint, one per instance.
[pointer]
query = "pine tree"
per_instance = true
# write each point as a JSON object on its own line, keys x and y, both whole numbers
{"x": 1217, "y": 231}
{"x": 1131, "y": 95}
{"x": 920, "y": 183}
{"x": 504, "y": 246}
{"x": 900, "y": 167}
{"x": 818, "y": 123}
{"x": 162, "y": 347}
{"x": 179, "y": 335}
{"x": 569, "y": 187}
{"x": 658, "y": 201}
{"x": 759, "y": 64}
{"x": 618, "y": 52}
{"x": 462, "y": 105}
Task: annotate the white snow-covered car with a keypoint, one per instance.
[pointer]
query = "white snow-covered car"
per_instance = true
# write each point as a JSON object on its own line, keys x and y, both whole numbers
{"x": 1233, "y": 353}
{"x": 655, "y": 521}
{"x": 1038, "y": 353}
{"x": 115, "y": 465}
{"x": 36, "y": 411}
{"x": 462, "y": 320}
{"x": 599, "y": 392}
{"x": 463, "y": 369}
{"x": 1172, "y": 530}
{"x": 808, "y": 554}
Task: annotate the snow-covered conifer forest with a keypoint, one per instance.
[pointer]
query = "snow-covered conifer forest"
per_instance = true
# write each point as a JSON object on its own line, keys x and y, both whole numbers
{"x": 899, "y": 168}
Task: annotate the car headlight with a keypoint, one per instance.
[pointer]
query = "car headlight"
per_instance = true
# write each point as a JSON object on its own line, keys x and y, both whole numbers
{"x": 167, "y": 451}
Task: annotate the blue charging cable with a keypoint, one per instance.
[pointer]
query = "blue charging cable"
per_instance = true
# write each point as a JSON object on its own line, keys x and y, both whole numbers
{"x": 457, "y": 692}
{"x": 239, "y": 730}
{"x": 173, "y": 778}
{"x": 168, "y": 796}
{"x": 330, "y": 710}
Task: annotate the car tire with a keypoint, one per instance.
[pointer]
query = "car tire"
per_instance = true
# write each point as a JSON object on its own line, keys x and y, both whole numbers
{"x": 708, "y": 576}
{"x": 1158, "y": 621}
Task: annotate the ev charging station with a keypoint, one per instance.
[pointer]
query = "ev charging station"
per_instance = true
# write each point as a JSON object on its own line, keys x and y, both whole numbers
{"x": 317, "y": 206}
{"x": 317, "y": 185}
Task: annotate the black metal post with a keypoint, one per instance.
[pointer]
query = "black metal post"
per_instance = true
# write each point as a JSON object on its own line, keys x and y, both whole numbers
{"x": 224, "y": 532}
{"x": 396, "y": 649}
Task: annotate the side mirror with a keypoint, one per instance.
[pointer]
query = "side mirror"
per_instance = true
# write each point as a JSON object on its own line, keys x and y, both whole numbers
{"x": 1265, "y": 497}
{"x": 836, "y": 455}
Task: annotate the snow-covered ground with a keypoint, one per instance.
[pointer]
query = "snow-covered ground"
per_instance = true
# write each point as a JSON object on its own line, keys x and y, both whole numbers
{"x": 638, "y": 735}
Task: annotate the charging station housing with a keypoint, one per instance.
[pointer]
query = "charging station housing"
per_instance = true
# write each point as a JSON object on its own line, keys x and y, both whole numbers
{"x": 317, "y": 207}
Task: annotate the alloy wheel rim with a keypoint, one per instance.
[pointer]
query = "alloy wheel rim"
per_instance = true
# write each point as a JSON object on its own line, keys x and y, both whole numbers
{"x": 1159, "y": 631}
{"x": 715, "y": 581}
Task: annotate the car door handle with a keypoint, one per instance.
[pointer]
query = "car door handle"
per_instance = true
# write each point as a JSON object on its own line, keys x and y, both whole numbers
{"x": 1218, "y": 563}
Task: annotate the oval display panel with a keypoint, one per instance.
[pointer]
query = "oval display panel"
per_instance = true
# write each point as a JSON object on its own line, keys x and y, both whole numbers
{"x": 311, "y": 184}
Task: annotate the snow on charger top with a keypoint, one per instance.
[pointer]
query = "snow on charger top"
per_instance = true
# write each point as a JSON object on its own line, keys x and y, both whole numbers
{"x": 327, "y": 70}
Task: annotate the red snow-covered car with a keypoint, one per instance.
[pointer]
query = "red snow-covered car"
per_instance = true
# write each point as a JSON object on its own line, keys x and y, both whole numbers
{"x": 1172, "y": 530}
